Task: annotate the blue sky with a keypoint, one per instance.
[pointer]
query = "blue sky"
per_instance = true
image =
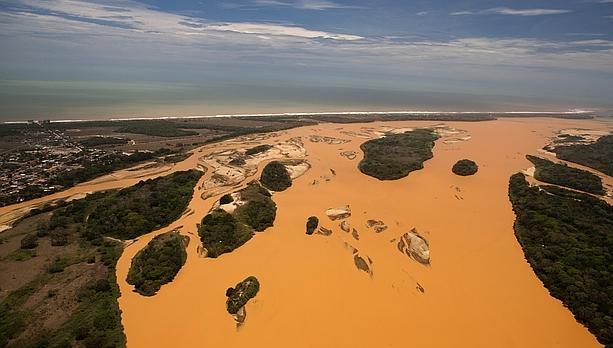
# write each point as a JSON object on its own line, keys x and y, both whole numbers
{"x": 97, "y": 59}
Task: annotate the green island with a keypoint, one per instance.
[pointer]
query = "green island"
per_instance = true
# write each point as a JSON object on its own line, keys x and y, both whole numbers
{"x": 275, "y": 177}
{"x": 563, "y": 175}
{"x": 142, "y": 208}
{"x": 566, "y": 238}
{"x": 222, "y": 232}
{"x": 465, "y": 167}
{"x": 239, "y": 295}
{"x": 598, "y": 155}
{"x": 70, "y": 284}
{"x": 396, "y": 155}
{"x": 158, "y": 263}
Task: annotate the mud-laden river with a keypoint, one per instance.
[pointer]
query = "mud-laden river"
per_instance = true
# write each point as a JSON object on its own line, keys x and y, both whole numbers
{"x": 478, "y": 291}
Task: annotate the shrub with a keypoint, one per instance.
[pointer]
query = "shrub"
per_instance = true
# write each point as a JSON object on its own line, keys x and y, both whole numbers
{"x": 465, "y": 167}
{"x": 59, "y": 237}
{"x": 30, "y": 241}
{"x": 226, "y": 199}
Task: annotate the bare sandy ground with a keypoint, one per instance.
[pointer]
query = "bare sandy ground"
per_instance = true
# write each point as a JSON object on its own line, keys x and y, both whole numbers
{"x": 478, "y": 290}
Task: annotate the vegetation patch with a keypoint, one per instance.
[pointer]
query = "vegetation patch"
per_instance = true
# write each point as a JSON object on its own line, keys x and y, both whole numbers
{"x": 158, "y": 263}
{"x": 103, "y": 141}
{"x": 142, "y": 208}
{"x": 257, "y": 149}
{"x": 396, "y": 155}
{"x": 563, "y": 175}
{"x": 226, "y": 199}
{"x": 241, "y": 294}
{"x": 598, "y": 155}
{"x": 222, "y": 232}
{"x": 275, "y": 177}
{"x": 312, "y": 224}
{"x": 566, "y": 237}
{"x": 160, "y": 128}
{"x": 465, "y": 167}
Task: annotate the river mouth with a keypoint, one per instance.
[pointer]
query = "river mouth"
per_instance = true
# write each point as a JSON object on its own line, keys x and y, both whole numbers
{"x": 477, "y": 290}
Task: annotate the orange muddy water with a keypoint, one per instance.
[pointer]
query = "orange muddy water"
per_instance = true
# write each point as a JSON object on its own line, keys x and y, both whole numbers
{"x": 479, "y": 291}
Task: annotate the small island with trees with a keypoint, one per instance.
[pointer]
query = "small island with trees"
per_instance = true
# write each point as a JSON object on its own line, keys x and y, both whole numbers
{"x": 158, "y": 263}
{"x": 465, "y": 167}
{"x": 222, "y": 232}
{"x": 311, "y": 225}
{"x": 239, "y": 295}
{"x": 396, "y": 155}
{"x": 563, "y": 175}
{"x": 275, "y": 177}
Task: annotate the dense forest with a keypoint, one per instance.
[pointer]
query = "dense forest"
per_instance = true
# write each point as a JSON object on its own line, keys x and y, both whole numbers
{"x": 103, "y": 141}
{"x": 598, "y": 155}
{"x": 222, "y": 232}
{"x": 158, "y": 263}
{"x": 396, "y": 155}
{"x": 160, "y": 128}
{"x": 239, "y": 295}
{"x": 563, "y": 175}
{"x": 566, "y": 237}
{"x": 142, "y": 208}
{"x": 275, "y": 177}
{"x": 465, "y": 167}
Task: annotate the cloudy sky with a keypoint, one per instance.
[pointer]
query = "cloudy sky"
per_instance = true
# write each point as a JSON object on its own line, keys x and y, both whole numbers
{"x": 114, "y": 58}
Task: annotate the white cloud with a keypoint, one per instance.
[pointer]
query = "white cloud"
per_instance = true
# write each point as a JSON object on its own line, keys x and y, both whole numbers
{"x": 304, "y": 4}
{"x": 66, "y": 28}
{"x": 513, "y": 12}
{"x": 422, "y": 13}
{"x": 279, "y": 30}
